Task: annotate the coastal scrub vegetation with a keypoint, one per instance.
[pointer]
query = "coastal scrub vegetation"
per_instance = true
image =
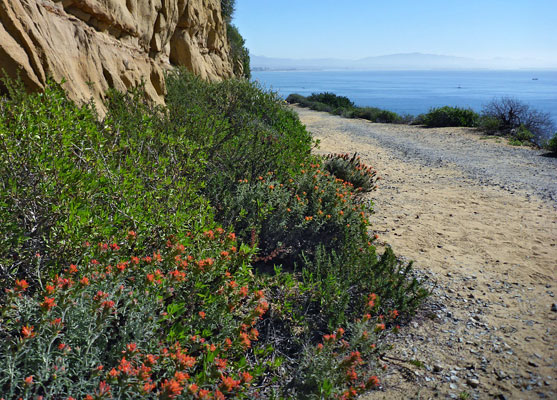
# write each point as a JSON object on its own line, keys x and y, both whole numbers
{"x": 340, "y": 105}
{"x": 450, "y": 116}
{"x": 507, "y": 117}
{"x": 192, "y": 250}
{"x": 239, "y": 53}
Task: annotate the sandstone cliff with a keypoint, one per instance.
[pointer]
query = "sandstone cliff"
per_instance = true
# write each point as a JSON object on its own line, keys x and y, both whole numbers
{"x": 97, "y": 44}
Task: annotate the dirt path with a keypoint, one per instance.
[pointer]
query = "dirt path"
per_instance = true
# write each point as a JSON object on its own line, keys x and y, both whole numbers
{"x": 479, "y": 218}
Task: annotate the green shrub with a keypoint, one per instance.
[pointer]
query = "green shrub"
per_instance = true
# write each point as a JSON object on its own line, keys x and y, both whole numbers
{"x": 288, "y": 219}
{"x": 340, "y": 105}
{"x": 352, "y": 170}
{"x": 180, "y": 297}
{"x": 239, "y": 53}
{"x": 65, "y": 177}
{"x": 522, "y": 134}
{"x": 251, "y": 131}
{"x": 295, "y": 98}
{"x": 489, "y": 125}
{"x": 135, "y": 325}
{"x": 331, "y": 99}
{"x": 551, "y": 144}
{"x": 450, "y": 116}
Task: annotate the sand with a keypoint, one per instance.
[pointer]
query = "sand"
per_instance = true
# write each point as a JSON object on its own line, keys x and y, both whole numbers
{"x": 486, "y": 240}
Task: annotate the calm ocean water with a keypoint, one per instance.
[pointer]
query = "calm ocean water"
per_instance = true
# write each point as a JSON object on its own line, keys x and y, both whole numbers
{"x": 415, "y": 92}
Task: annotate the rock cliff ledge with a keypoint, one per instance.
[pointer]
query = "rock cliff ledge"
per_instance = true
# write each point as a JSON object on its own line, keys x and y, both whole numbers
{"x": 97, "y": 44}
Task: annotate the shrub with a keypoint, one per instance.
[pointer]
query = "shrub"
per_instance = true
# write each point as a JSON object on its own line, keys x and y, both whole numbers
{"x": 551, "y": 144}
{"x": 340, "y": 105}
{"x": 239, "y": 53}
{"x": 352, "y": 170}
{"x": 489, "y": 125}
{"x": 174, "y": 305}
{"x": 522, "y": 135}
{"x": 65, "y": 177}
{"x": 450, "y": 116}
{"x": 250, "y": 131}
{"x": 295, "y": 98}
{"x": 331, "y": 99}
{"x": 132, "y": 325}
{"x": 511, "y": 113}
{"x": 288, "y": 219}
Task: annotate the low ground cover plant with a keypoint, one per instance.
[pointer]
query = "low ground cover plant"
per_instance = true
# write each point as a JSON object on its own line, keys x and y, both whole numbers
{"x": 121, "y": 276}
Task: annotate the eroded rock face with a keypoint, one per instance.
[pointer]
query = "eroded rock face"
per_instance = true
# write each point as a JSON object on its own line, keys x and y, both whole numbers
{"x": 97, "y": 44}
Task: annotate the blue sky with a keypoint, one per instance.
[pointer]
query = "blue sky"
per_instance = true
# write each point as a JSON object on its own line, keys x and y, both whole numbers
{"x": 352, "y": 29}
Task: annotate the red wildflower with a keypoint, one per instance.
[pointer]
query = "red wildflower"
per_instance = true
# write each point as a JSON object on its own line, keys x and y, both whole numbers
{"x": 373, "y": 381}
{"x": 351, "y": 375}
{"x": 246, "y": 377}
{"x": 29, "y": 380}
{"x": 27, "y": 332}
{"x": 181, "y": 377}
{"x": 202, "y": 314}
{"x": 204, "y": 394}
{"x": 49, "y": 289}
{"x": 48, "y": 303}
{"x": 193, "y": 388}
{"x": 107, "y": 304}
{"x": 171, "y": 389}
{"x": 84, "y": 281}
{"x": 21, "y": 285}
{"x": 72, "y": 269}
{"x": 148, "y": 387}
{"x": 57, "y": 321}
{"x": 104, "y": 388}
{"x": 220, "y": 363}
{"x": 229, "y": 383}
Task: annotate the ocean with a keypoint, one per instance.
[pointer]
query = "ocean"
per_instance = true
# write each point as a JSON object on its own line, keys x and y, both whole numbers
{"x": 415, "y": 92}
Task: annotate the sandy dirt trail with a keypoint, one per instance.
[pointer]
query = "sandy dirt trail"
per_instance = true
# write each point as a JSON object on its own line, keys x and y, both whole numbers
{"x": 487, "y": 243}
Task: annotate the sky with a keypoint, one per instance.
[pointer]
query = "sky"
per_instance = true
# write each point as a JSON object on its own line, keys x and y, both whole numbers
{"x": 352, "y": 29}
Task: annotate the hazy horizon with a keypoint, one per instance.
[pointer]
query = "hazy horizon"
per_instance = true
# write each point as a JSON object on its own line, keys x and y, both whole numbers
{"x": 519, "y": 32}
{"x": 404, "y": 61}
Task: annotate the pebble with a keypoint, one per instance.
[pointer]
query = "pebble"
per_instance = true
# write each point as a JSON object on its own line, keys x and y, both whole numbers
{"x": 473, "y": 382}
{"x": 554, "y": 307}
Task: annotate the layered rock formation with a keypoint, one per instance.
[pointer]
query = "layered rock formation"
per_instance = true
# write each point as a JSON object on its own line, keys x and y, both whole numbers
{"x": 97, "y": 44}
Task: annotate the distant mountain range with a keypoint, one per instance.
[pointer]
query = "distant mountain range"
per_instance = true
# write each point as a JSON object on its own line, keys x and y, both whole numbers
{"x": 406, "y": 61}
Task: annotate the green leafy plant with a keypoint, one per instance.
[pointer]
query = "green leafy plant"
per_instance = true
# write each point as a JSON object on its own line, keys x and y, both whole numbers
{"x": 551, "y": 144}
{"x": 351, "y": 169}
{"x": 450, "y": 116}
{"x": 120, "y": 282}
